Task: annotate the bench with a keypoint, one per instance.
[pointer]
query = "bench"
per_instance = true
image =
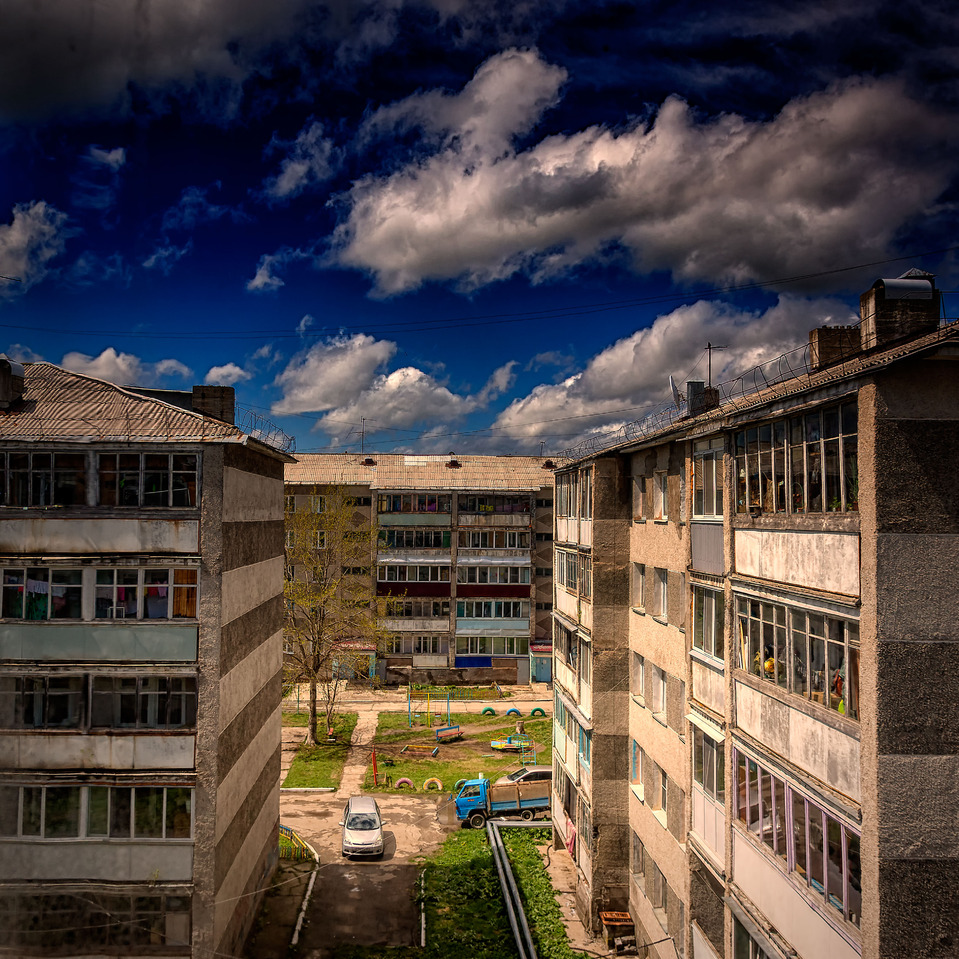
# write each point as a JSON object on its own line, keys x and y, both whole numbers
{"x": 448, "y": 732}
{"x": 417, "y": 749}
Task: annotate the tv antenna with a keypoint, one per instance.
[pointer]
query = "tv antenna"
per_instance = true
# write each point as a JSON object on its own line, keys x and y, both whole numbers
{"x": 709, "y": 362}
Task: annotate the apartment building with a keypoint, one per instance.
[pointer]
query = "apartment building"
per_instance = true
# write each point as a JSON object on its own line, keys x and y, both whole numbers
{"x": 755, "y": 707}
{"x": 140, "y": 668}
{"x": 462, "y": 572}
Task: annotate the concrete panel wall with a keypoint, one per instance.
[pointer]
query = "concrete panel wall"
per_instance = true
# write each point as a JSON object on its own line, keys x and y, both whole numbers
{"x": 249, "y": 586}
{"x": 116, "y": 861}
{"x": 243, "y": 682}
{"x": 825, "y": 753}
{"x": 86, "y": 643}
{"x": 248, "y": 497}
{"x": 97, "y": 751}
{"x": 99, "y": 535}
{"x": 708, "y": 686}
{"x": 815, "y": 560}
{"x": 783, "y": 903}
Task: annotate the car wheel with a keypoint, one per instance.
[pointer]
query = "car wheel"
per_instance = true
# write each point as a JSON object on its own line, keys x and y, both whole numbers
{"x": 528, "y": 815}
{"x": 477, "y": 820}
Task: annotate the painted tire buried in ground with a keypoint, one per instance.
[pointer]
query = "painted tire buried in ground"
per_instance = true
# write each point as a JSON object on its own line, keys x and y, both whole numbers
{"x": 489, "y": 711}
{"x": 538, "y": 712}
{"x": 513, "y": 712}
{"x": 433, "y": 783}
{"x": 404, "y": 782}
{"x": 460, "y": 783}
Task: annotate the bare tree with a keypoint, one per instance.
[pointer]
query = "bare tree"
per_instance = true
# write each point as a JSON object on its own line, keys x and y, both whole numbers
{"x": 331, "y": 627}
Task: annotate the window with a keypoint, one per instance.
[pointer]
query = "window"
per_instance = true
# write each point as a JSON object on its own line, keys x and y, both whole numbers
{"x": 708, "y": 479}
{"x": 565, "y": 494}
{"x": 585, "y": 746}
{"x": 147, "y": 479}
{"x": 81, "y": 701}
{"x": 638, "y": 586}
{"x": 474, "y": 645}
{"x": 289, "y": 504}
{"x": 637, "y": 855}
{"x": 48, "y": 922}
{"x": 744, "y": 946}
{"x": 637, "y": 679}
{"x": 708, "y": 769}
{"x": 817, "y": 658}
{"x": 103, "y": 812}
{"x": 660, "y": 495}
{"x": 414, "y": 538}
{"x": 510, "y": 646}
{"x": 683, "y": 602}
{"x": 519, "y": 575}
{"x": 493, "y": 504}
{"x": 127, "y": 593}
{"x": 414, "y": 608}
{"x": 567, "y": 570}
{"x": 143, "y": 702}
{"x": 544, "y": 572}
{"x": 426, "y": 645}
{"x": 318, "y": 539}
{"x": 586, "y": 662}
{"x": 663, "y": 790}
{"x": 492, "y": 608}
{"x": 493, "y": 539}
{"x": 708, "y": 614}
{"x": 586, "y": 576}
{"x": 660, "y": 603}
{"x": 40, "y": 593}
{"x": 818, "y": 849}
{"x": 656, "y": 892}
{"x": 805, "y": 464}
{"x": 414, "y": 502}
{"x": 394, "y": 645}
{"x": 43, "y": 479}
{"x": 639, "y": 499}
{"x": 413, "y": 574}
{"x": 586, "y": 494}
{"x": 658, "y": 693}
{"x": 636, "y": 769}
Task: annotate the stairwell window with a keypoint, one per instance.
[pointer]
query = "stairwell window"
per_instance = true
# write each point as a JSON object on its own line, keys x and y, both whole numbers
{"x": 708, "y": 618}
{"x": 660, "y": 495}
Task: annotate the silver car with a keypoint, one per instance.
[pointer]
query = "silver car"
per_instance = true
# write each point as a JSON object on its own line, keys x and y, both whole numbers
{"x": 362, "y": 827}
{"x": 527, "y": 774}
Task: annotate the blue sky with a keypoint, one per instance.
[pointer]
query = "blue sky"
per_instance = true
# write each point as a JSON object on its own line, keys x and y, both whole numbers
{"x": 439, "y": 225}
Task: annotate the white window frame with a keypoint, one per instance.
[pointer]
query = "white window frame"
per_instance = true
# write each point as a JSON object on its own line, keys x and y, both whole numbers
{"x": 661, "y": 495}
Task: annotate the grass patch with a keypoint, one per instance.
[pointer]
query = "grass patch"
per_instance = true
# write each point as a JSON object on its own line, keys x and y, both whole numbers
{"x": 466, "y": 758}
{"x": 322, "y": 765}
{"x": 539, "y": 898}
{"x": 465, "y": 914}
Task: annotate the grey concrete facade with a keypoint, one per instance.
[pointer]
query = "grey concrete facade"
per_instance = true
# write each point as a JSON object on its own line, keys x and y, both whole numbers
{"x": 790, "y": 626}
{"x": 140, "y": 665}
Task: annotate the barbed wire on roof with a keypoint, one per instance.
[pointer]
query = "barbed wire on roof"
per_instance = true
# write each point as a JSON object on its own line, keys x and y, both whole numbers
{"x": 263, "y": 430}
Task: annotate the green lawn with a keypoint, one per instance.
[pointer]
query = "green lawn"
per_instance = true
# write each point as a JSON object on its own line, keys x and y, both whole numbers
{"x": 322, "y": 765}
{"x": 467, "y": 758}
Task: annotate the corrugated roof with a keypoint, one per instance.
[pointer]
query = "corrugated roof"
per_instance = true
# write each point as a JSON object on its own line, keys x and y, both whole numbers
{"x": 64, "y": 406}
{"x": 400, "y": 471}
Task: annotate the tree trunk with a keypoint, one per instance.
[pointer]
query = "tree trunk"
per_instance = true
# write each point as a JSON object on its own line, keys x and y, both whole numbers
{"x": 311, "y": 739}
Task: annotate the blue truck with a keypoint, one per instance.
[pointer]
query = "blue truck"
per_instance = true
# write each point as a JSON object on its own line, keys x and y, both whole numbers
{"x": 479, "y": 800}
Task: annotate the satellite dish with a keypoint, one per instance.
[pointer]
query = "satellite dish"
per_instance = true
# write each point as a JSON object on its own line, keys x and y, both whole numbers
{"x": 677, "y": 398}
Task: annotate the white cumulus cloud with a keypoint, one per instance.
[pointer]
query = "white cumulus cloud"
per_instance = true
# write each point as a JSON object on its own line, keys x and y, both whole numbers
{"x": 829, "y": 179}
{"x": 33, "y": 238}
{"x": 623, "y": 381}
{"x": 125, "y": 369}
{"x": 308, "y": 162}
{"x": 226, "y": 375}
{"x": 266, "y": 278}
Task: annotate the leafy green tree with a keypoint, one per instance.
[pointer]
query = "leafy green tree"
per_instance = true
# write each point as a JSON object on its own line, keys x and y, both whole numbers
{"x": 331, "y": 627}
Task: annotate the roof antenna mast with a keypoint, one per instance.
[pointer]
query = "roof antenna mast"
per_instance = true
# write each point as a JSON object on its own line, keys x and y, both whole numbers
{"x": 709, "y": 362}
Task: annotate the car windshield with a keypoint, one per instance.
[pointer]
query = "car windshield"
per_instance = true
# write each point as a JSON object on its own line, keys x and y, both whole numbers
{"x": 362, "y": 820}
{"x": 512, "y": 777}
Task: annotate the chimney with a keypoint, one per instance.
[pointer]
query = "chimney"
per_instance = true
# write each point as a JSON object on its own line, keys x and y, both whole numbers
{"x": 215, "y": 401}
{"x": 832, "y": 344}
{"x": 898, "y": 309}
{"x": 454, "y": 463}
{"x": 11, "y": 382}
{"x": 700, "y": 397}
